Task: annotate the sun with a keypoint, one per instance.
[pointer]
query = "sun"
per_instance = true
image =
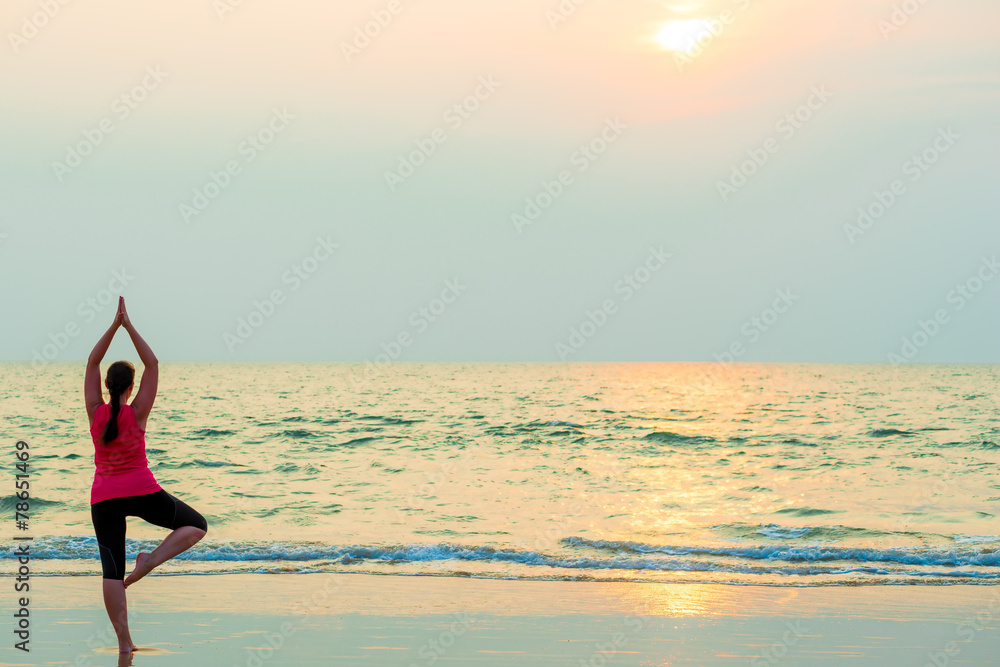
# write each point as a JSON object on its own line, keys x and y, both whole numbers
{"x": 683, "y": 36}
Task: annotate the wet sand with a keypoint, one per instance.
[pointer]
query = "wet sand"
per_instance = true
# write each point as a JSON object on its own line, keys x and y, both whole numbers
{"x": 322, "y": 619}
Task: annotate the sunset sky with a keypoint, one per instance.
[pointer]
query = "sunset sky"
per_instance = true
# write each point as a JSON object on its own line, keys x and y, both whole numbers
{"x": 525, "y": 180}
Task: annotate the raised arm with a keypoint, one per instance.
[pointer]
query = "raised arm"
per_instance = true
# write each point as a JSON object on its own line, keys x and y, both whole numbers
{"x": 93, "y": 395}
{"x": 143, "y": 401}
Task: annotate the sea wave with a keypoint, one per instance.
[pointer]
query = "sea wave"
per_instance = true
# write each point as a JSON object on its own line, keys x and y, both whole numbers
{"x": 922, "y": 556}
{"x": 581, "y": 555}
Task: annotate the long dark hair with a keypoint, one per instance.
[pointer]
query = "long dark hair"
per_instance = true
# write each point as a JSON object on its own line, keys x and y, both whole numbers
{"x": 120, "y": 376}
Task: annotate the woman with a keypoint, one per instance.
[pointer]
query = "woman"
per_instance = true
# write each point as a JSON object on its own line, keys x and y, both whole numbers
{"x": 123, "y": 483}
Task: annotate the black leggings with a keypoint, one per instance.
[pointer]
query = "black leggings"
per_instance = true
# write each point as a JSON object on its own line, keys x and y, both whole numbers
{"x": 158, "y": 508}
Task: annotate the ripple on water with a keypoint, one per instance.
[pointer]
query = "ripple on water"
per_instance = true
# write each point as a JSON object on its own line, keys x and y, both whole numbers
{"x": 886, "y": 433}
{"x": 669, "y": 438}
{"x": 210, "y": 433}
{"x": 357, "y": 442}
{"x": 805, "y": 511}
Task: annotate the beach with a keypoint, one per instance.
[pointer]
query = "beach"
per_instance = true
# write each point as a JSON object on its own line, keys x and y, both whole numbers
{"x": 551, "y": 515}
{"x": 322, "y": 619}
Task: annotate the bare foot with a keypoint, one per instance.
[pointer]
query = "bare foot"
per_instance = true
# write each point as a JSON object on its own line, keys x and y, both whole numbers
{"x": 143, "y": 566}
{"x": 128, "y": 648}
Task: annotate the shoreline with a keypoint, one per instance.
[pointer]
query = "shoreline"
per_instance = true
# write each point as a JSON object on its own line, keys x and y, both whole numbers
{"x": 984, "y": 583}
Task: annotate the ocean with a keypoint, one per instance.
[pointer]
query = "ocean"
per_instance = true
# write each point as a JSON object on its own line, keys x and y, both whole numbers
{"x": 771, "y": 474}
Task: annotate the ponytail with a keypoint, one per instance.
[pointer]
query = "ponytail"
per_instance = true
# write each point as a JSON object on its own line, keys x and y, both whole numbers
{"x": 120, "y": 376}
{"x": 111, "y": 430}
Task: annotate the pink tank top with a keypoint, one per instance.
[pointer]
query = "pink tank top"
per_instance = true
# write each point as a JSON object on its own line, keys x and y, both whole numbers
{"x": 122, "y": 469}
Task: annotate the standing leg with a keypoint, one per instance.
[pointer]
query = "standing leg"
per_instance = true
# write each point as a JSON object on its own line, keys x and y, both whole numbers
{"x": 164, "y": 510}
{"x": 108, "y": 517}
{"x": 117, "y": 606}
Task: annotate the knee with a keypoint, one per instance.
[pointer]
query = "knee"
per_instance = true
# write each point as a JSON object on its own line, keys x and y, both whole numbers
{"x": 197, "y": 523}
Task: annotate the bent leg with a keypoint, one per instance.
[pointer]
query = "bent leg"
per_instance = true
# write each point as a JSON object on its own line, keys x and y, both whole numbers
{"x": 108, "y": 518}
{"x": 188, "y": 528}
{"x": 178, "y": 541}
